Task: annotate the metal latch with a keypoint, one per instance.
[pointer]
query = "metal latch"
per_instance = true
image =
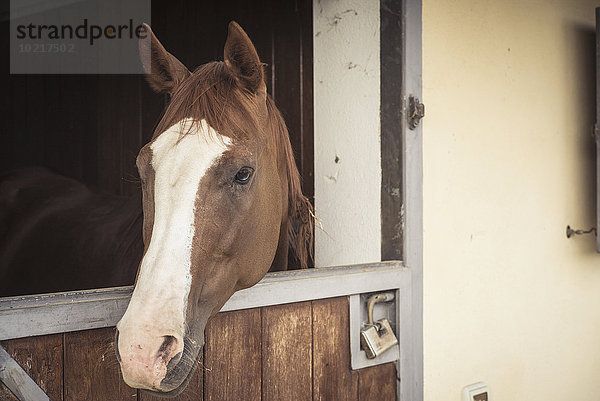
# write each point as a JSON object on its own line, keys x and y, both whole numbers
{"x": 378, "y": 337}
{"x": 416, "y": 111}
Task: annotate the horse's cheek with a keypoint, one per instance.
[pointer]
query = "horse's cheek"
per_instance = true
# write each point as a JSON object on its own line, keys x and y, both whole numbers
{"x": 270, "y": 210}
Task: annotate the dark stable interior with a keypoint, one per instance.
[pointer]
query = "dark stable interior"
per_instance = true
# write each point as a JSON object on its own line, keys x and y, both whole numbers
{"x": 91, "y": 127}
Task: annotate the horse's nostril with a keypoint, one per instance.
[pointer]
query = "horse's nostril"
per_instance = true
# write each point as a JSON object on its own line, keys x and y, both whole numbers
{"x": 168, "y": 349}
{"x": 167, "y": 344}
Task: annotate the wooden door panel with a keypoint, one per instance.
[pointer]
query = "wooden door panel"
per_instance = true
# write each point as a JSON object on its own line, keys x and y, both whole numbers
{"x": 334, "y": 379}
{"x": 232, "y": 355}
{"x": 91, "y": 368}
{"x": 296, "y": 352}
{"x": 287, "y": 352}
{"x": 42, "y": 358}
{"x": 377, "y": 383}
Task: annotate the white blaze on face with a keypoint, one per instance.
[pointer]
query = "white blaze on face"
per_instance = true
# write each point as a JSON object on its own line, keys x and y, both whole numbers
{"x": 158, "y": 303}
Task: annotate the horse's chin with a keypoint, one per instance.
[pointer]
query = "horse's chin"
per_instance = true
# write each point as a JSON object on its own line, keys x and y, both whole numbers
{"x": 178, "y": 376}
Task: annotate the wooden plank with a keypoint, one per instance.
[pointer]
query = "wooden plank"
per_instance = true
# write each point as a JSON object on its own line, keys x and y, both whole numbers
{"x": 73, "y": 129}
{"x": 333, "y": 378}
{"x": 193, "y": 391}
{"x": 287, "y": 74}
{"x": 287, "y": 79}
{"x": 18, "y": 384}
{"x": 287, "y": 352}
{"x": 152, "y": 106}
{"x": 6, "y": 394}
{"x": 232, "y": 356}
{"x": 42, "y": 359}
{"x": 111, "y": 120}
{"x": 307, "y": 150}
{"x": 131, "y": 134}
{"x": 377, "y": 383}
{"x": 91, "y": 370}
{"x": 7, "y": 102}
{"x": 119, "y": 133}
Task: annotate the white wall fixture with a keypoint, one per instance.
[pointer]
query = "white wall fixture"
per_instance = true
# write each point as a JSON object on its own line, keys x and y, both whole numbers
{"x": 476, "y": 392}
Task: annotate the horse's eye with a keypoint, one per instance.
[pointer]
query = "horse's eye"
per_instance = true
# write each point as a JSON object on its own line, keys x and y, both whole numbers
{"x": 243, "y": 176}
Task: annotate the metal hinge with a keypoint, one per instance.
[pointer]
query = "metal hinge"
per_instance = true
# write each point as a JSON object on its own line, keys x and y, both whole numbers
{"x": 416, "y": 111}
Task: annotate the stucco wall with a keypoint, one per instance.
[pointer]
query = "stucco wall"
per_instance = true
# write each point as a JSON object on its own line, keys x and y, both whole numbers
{"x": 508, "y": 163}
{"x": 346, "y": 118}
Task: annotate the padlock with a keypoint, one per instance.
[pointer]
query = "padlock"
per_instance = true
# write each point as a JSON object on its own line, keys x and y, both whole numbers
{"x": 377, "y": 337}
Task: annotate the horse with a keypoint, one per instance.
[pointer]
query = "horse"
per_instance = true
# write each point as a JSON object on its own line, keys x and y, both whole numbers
{"x": 221, "y": 204}
{"x": 222, "y": 201}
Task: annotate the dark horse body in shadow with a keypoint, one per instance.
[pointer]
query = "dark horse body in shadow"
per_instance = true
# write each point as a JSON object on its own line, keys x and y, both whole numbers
{"x": 56, "y": 234}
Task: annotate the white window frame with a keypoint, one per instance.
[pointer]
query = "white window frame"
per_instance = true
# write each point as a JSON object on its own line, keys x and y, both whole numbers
{"x": 25, "y": 316}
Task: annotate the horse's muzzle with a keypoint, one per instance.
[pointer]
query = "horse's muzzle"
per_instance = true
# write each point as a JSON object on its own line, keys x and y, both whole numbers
{"x": 166, "y": 372}
{"x": 146, "y": 360}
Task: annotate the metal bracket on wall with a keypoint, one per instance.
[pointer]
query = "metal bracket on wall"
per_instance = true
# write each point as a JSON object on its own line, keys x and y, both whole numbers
{"x": 416, "y": 111}
{"x": 18, "y": 381}
{"x": 571, "y": 231}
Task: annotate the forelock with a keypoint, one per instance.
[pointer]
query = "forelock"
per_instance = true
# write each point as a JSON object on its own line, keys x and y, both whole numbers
{"x": 211, "y": 93}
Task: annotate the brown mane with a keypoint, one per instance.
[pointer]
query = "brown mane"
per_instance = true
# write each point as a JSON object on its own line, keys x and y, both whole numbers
{"x": 300, "y": 210}
{"x": 211, "y": 93}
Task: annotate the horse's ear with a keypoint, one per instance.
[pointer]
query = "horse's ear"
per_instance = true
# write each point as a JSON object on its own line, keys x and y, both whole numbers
{"x": 163, "y": 71}
{"x": 242, "y": 59}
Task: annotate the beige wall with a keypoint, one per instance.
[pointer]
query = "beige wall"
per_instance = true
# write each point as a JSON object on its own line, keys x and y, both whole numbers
{"x": 508, "y": 163}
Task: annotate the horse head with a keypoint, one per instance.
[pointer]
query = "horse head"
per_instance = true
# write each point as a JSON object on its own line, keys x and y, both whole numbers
{"x": 221, "y": 197}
